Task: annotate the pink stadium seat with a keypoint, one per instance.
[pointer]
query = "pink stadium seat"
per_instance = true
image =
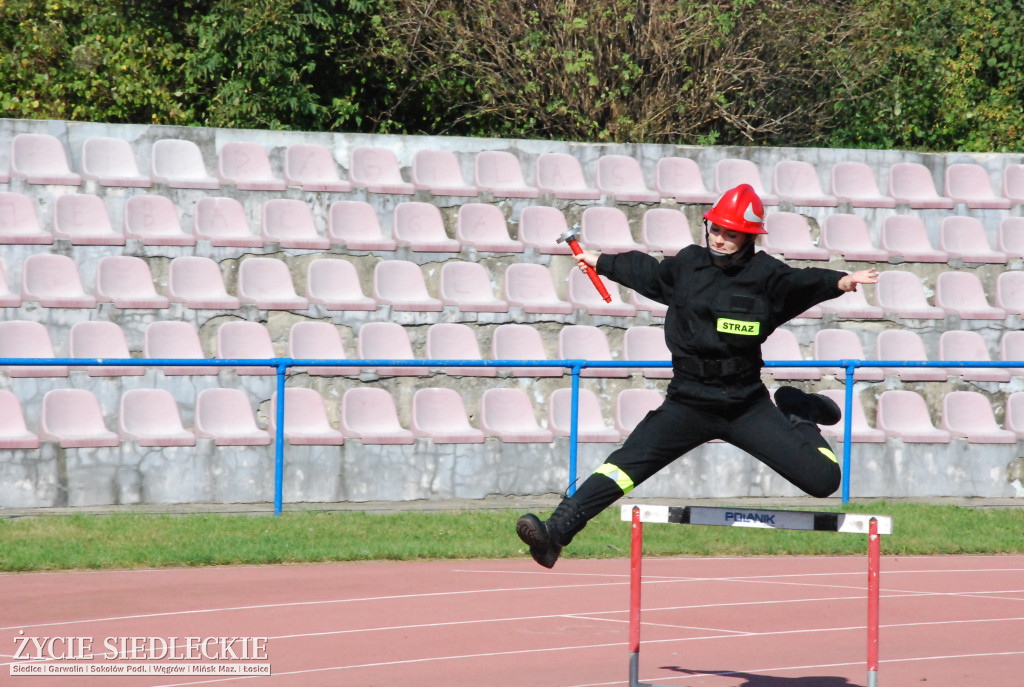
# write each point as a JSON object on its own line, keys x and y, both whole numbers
{"x": 1011, "y": 237}
{"x": 912, "y": 183}
{"x": 440, "y": 415}
{"x": 844, "y": 344}
{"x": 247, "y": 166}
{"x": 312, "y": 168}
{"x": 1011, "y": 349}
{"x": 620, "y": 176}
{"x": 632, "y": 405}
{"x": 508, "y": 415}
{"x": 154, "y": 221}
{"x": 388, "y": 341}
{"x": 847, "y": 235}
{"x": 1015, "y": 413}
{"x": 905, "y": 345}
{"x": 647, "y": 343}
{"x": 74, "y": 418}
{"x": 732, "y": 172}
{"x": 782, "y": 345}
{"x": 1013, "y": 184}
{"x": 355, "y": 225}
{"x": 454, "y": 341}
{"x": 401, "y": 285}
{"x": 968, "y": 346}
{"x": 376, "y": 170}
{"x": 961, "y": 293}
{"x": 439, "y": 172}
{"x": 482, "y": 226}
{"x": 318, "y": 341}
{"x": 369, "y": 415}
{"x": 1010, "y": 292}
{"x": 111, "y": 162}
{"x": 179, "y": 164}
{"x": 499, "y": 172}
{"x": 334, "y": 284}
{"x": 905, "y": 237}
{"x": 590, "y": 426}
{"x": 968, "y": 414}
{"x": 860, "y": 430}
{"x": 797, "y": 181}
{"x": 853, "y": 305}
{"x": 175, "y": 340}
{"x": 151, "y": 417}
{"x": 665, "y": 230}
{"x": 904, "y": 414}
{"x": 226, "y": 416}
{"x": 607, "y": 230}
{"x": 467, "y": 286}
{"x": 127, "y": 282}
{"x": 645, "y": 304}
{"x": 223, "y": 222}
{"x": 305, "y": 419}
{"x": 53, "y": 282}
{"x": 19, "y": 223}
{"x": 82, "y": 219}
{"x": 198, "y": 282}
{"x": 240, "y": 340}
{"x": 267, "y": 284}
{"x": 14, "y": 433}
{"x": 521, "y": 342}
{"x": 540, "y": 226}
{"x": 101, "y": 339}
{"x": 41, "y": 159}
{"x": 970, "y": 183}
{"x": 790, "y": 235}
{"x": 8, "y": 298}
{"x": 421, "y": 227}
{"x": 587, "y": 342}
{"x": 562, "y": 175}
{"x": 28, "y": 339}
{"x": 965, "y": 238}
{"x": 902, "y": 293}
{"x": 584, "y": 296}
{"x": 290, "y": 224}
{"x": 680, "y": 178}
{"x": 854, "y": 182}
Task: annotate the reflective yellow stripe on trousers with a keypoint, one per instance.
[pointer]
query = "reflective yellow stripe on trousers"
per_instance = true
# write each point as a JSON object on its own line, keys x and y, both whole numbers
{"x": 621, "y": 478}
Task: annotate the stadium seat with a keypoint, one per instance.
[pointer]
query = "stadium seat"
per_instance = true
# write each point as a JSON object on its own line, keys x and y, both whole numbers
{"x": 369, "y": 415}
{"x": 376, "y": 170}
{"x": 731, "y": 172}
{"x": 401, "y": 285}
{"x": 680, "y": 178}
{"x": 906, "y": 345}
{"x": 241, "y": 340}
{"x": 961, "y": 293}
{"x": 19, "y": 223}
{"x": 440, "y": 415}
{"x": 439, "y": 172}
{"x": 312, "y": 168}
{"x": 267, "y": 284}
{"x": 521, "y": 342}
{"x": 290, "y": 224}
{"x": 305, "y": 419}
{"x": 175, "y": 340}
{"x": 1011, "y": 349}
{"x": 583, "y": 295}
{"x": 1015, "y": 413}
{"x": 82, "y": 219}
{"x": 198, "y": 282}
{"x": 905, "y": 237}
{"x": 154, "y": 221}
{"x": 14, "y": 433}
{"x": 1011, "y": 237}
{"x": 587, "y": 342}
{"x": 969, "y": 414}
{"x": 912, "y": 183}
{"x": 467, "y": 286}
{"x": 854, "y": 182}
{"x": 970, "y": 184}
{"x": 844, "y": 344}
{"x": 102, "y": 339}
{"x": 334, "y": 284}
{"x": 454, "y": 341}
{"x": 246, "y": 166}
{"x": 499, "y": 172}
{"x": 226, "y": 416}
{"x": 540, "y": 226}
{"x": 621, "y": 177}
{"x": 53, "y": 282}
{"x": 562, "y": 175}
{"x": 965, "y": 238}
{"x": 111, "y": 162}
{"x": 632, "y": 405}
{"x": 482, "y": 226}
{"x": 223, "y": 222}
{"x": 797, "y": 181}
{"x": 1010, "y": 292}
{"x": 607, "y": 230}
{"x": 860, "y": 430}
{"x": 179, "y": 164}
{"x": 902, "y": 294}
{"x": 590, "y": 425}
{"x": 151, "y": 417}
{"x": 354, "y": 224}
{"x": 665, "y": 230}
{"x": 847, "y": 235}
{"x": 508, "y": 415}
{"x": 790, "y": 235}
{"x": 968, "y": 346}
{"x": 904, "y": 414}
{"x": 782, "y": 345}
{"x": 643, "y": 343}
{"x": 321, "y": 341}
{"x": 1013, "y": 184}
{"x": 852, "y": 305}
{"x": 421, "y": 227}
{"x": 73, "y": 418}
{"x": 388, "y": 341}
{"x": 8, "y": 298}
{"x": 645, "y": 304}
{"x": 127, "y": 282}
{"x": 28, "y": 339}
{"x": 41, "y": 159}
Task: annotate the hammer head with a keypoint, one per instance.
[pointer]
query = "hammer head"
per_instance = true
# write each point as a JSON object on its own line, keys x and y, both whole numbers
{"x": 569, "y": 236}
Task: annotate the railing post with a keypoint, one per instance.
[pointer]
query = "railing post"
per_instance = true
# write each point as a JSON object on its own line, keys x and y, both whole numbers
{"x": 851, "y": 367}
{"x": 574, "y": 417}
{"x": 282, "y": 368}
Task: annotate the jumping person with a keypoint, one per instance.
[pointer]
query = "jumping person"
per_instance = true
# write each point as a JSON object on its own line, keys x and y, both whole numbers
{"x": 723, "y": 299}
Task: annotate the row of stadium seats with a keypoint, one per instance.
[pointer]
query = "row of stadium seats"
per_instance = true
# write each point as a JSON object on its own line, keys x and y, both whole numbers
{"x": 179, "y": 163}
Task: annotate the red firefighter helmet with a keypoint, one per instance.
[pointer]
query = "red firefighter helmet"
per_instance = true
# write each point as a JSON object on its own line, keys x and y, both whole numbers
{"x": 739, "y": 209}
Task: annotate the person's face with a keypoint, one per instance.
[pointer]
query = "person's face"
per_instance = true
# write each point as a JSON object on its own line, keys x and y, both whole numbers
{"x": 726, "y": 241}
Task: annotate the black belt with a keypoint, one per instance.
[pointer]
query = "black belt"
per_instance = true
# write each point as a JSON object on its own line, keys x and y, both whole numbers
{"x": 714, "y": 368}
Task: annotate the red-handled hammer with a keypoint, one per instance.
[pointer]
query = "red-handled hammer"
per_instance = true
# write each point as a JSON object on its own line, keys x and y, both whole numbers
{"x": 571, "y": 238}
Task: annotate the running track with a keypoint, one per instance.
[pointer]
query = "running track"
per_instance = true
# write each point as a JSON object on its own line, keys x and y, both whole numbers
{"x": 707, "y": 622}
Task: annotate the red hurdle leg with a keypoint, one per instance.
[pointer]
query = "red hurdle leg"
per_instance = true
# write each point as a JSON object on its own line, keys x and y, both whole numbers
{"x": 636, "y": 551}
{"x": 874, "y": 563}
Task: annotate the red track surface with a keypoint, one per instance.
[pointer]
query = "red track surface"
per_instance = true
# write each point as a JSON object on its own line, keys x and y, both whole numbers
{"x": 751, "y": 622}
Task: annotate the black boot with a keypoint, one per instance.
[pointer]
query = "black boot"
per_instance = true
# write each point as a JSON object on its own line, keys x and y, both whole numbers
{"x": 821, "y": 410}
{"x": 546, "y": 539}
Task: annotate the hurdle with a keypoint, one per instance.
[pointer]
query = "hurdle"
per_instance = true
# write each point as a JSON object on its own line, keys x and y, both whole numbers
{"x": 871, "y": 525}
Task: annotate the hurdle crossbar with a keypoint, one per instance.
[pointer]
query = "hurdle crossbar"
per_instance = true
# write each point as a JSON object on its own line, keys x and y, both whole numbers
{"x": 871, "y": 525}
